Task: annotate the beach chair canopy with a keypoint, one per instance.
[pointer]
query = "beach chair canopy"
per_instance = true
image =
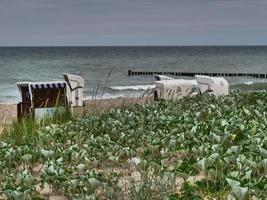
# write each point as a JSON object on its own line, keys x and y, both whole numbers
{"x": 24, "y": 91}
{"x": 161, "y": 77}
{"x": 217, "y": 85}
{"x": 48, "y": 94}
{"x": 76, "y": 87}
{"x": 176, "y": 88}
{"x": 74, "y": 81}
{"x": 43, "y": 94}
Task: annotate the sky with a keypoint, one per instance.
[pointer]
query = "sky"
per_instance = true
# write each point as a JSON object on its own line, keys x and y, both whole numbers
{"x": 132, "y": 22}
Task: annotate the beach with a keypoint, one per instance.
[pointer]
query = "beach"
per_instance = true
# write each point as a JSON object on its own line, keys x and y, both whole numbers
{"x": 165, "y": 146}
{"x": 129, "y": 100}
{"x": 8, "y": 111}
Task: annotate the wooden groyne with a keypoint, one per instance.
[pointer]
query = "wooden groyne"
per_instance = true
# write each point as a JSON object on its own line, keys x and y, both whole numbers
{"x": 145, "y": 73}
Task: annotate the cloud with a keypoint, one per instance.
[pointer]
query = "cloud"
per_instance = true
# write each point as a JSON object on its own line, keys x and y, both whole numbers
{"x": 128, "y": 22}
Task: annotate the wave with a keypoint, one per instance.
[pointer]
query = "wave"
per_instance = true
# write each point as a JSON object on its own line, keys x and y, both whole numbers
{"x": 133, "y": 87}
{"x": 249, "y": 83}
{"x": 112, "y": 96}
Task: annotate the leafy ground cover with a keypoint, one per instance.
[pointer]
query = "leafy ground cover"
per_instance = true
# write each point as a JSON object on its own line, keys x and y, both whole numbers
{"x": 200, "y": 147}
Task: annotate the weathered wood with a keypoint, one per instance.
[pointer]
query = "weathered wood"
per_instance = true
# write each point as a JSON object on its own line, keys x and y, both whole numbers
{"x": 191, "y": 74}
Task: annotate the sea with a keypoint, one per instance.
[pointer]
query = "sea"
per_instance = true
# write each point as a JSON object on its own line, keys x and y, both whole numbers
{"x": 105, "y": 69}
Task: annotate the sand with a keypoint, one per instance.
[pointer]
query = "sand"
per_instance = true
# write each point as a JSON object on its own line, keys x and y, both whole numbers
{"x": 8, "y": 111}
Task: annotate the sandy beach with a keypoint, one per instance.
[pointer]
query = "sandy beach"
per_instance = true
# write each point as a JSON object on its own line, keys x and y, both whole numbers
{"x": 8, "y": 111}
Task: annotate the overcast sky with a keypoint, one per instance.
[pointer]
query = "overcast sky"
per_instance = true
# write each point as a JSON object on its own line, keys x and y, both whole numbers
{"x": 132, "y": 22}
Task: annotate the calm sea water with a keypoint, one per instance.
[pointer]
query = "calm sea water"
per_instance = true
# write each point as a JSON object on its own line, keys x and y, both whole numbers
{"x": 95, "y": 63}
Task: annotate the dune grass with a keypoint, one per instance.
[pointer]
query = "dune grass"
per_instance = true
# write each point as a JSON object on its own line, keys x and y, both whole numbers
{"x": 202, "y": 147}
{"x": 27, "y": 130}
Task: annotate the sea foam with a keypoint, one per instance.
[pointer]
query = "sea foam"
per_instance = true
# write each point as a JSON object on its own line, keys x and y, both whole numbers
{"x": 133, "y": 87}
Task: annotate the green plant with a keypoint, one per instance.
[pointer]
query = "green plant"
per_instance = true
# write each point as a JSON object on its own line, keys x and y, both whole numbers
{"x": 197, "y": 147}
{"x": 189, "y": 191}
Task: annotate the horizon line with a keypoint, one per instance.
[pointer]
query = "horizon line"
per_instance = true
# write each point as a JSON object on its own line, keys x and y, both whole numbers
{"x": 86, "y": 46}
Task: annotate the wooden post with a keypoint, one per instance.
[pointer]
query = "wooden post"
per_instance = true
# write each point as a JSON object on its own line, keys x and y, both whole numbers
{"x": 129, "y": 72}
{"x": 191, "y": 74}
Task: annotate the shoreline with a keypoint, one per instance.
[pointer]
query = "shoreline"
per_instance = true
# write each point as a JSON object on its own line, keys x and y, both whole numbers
{"x": 8, "y": 110}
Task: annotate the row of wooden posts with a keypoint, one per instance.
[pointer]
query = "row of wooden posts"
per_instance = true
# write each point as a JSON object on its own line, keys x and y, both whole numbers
{"x": 191, "y": 74}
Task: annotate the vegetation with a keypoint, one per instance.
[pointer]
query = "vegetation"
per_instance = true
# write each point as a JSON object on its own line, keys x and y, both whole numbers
{"x": 27, "y": 130}
{"x": 200, "y": 147}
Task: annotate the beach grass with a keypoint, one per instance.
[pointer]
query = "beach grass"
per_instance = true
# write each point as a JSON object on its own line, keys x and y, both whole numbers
{"x": 26, "y": 131}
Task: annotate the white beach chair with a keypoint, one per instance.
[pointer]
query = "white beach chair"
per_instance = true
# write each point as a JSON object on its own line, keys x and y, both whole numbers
{"x": 215, "y": 85}
{"x": 162, "y": 78}
{"x": 75, "y": 89}
{"x": 175, "y": 89}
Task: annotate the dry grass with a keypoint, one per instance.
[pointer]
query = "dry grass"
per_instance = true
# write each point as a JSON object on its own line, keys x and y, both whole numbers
{"x": 99, "y": 106}
{"x": 8, "y": 112}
